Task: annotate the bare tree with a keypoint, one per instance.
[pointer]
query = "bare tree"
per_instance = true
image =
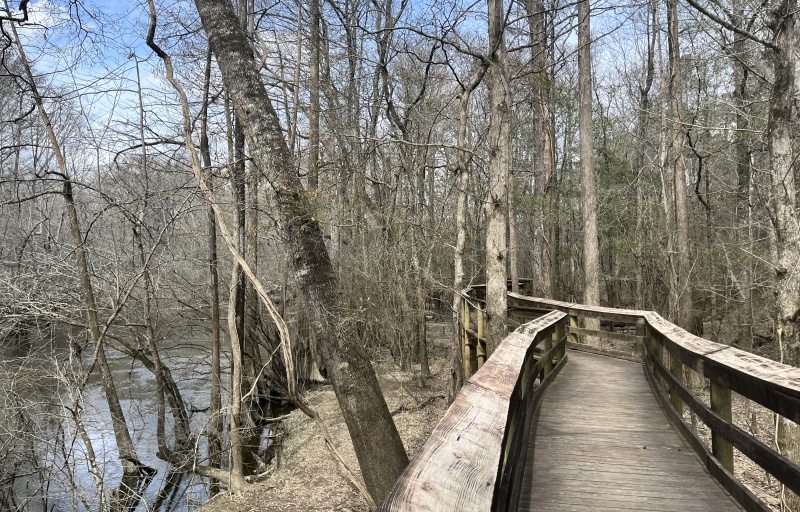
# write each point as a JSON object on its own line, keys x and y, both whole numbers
{"x": 496, "y": 205}
{"x": 378, "y": 446}
{"x": 591, "y": 244}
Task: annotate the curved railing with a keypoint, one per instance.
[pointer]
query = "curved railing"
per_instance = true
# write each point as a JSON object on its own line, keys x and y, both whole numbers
{"x": 474, "y": 459}
{"x": 666, "y": 350}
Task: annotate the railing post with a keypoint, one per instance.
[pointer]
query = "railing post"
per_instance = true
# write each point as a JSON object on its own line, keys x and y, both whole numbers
{"x": 721, "y": 404}
{"x": 481, "y": 345}
{"x": 559, "y": 335}
{"x": 573, "y": 323}
{"x": 548, "y": 344}
{"x": 641, "y": 329}
{"x": 676, "y": 369}
{"x": 466, "y": 349}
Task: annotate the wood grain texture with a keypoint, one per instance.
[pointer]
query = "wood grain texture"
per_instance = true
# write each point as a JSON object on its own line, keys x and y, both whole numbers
{"x": 459, "y": 466}
{"x": 602, "y": 442}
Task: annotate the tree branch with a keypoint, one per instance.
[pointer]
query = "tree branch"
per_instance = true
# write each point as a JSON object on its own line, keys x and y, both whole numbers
{"x": 730, "y": 26}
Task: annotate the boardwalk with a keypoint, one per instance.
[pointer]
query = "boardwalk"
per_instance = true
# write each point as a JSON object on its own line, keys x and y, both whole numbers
{"x": 603, "y": 443}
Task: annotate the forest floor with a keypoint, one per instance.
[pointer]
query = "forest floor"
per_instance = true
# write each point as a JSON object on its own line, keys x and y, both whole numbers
{"x": 305, "y": 477}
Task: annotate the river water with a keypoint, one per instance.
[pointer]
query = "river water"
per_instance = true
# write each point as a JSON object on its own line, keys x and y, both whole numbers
{"x": 61, "y": 455}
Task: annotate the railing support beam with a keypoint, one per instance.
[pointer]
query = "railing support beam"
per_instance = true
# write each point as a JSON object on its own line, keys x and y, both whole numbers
{"x": 676, "y": 369}
{"x": 721, "y": 404}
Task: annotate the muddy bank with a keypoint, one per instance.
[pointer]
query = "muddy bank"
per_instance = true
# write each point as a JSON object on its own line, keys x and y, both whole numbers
{"x": 305, "y": 476}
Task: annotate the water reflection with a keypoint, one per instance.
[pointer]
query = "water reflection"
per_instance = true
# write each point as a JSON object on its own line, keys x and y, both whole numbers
{"x": 34, "y": 380}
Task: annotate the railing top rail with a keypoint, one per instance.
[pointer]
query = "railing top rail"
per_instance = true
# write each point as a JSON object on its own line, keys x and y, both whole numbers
{"x": 459, "y": 466}
{"x": 624, "y": 315}
{"x": 771, "y": 383}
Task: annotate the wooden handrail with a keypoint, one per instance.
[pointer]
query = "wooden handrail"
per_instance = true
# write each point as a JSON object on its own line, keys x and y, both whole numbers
{"x": 474, "y": 459}
{"x": 771, "y": 384}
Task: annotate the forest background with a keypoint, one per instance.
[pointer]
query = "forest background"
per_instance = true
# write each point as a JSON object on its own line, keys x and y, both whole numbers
{"x": 333, "y": 173}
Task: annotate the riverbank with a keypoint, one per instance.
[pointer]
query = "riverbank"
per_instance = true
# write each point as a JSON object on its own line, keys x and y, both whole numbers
{"x": 305, "y": 476}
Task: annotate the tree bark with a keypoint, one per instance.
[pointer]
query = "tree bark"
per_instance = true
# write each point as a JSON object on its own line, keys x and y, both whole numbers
{"x": 682, "y": 296}
{"x": 544, "y": 145}
{"x": 462, "y": 174}
{"x": 496, "y": 206}
{"x": 377, "y": 444}
{"x": 591, "y": 245}
{"x": 641, "y": 156}
{"x": 784, "y": 210}
{"x": 314, "y": 106}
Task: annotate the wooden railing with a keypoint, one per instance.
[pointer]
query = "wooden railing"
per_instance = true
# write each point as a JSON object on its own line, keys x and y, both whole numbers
{"x": 473, "y": 319}
{"x": 475, "y": 457}
{"x": 667, "y": 349}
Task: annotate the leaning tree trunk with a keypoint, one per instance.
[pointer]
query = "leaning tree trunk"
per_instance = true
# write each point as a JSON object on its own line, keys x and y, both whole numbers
{"x": 496, "y": 206}
{"x": 125, "y": 447}
{"x": 784, "y": 211}
{"x": 375, "y": 438}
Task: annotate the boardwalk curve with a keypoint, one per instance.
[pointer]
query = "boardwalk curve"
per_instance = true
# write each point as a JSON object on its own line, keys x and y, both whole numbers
{"x": 602, "y": 442}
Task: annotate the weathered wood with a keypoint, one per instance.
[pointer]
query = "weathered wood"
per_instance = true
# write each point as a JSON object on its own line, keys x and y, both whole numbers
{"x": 617, "y": 336}
{"x": 461, "y": 466}
{"x": 773, "y": 385}
{"x": 600, "y": 431}
{"x": 466, "y": 354}
{"x": 770, "y": 383}
{"x": 773, "y": 462}
{"x": 749, "y": 501}
{"x": 721, "y": 405}
{"x": 676, "y": 369}
{"x": 624, "y": 316}
{"x": 602, "y": 351}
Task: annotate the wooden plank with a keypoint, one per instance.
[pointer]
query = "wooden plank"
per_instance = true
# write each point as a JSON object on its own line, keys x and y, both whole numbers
{"x": 721, "y": 406}
{"x": 617, "y": 336}
{"x": 600, "y": 428}
{"x": 459, "y": 467}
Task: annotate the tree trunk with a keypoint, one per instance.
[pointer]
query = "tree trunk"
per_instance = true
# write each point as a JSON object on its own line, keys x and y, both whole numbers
{"x": 125, "y": 448}
{"x": 496, "y": 206}
{"x": 314, "y": 106}
{"x": 784, "y": 211}
{"x": 544, "y": 145}
{"x": 513, "y": 251}
{"x": 377, "y": 444}
{"x": 462, "y": 174}
{"x": 681, "y": 296}
{"x": 215, "y": 422}
{"x": 743, "y": 207}
{"x": 591, "y": 245}
{"x": 641, "y": 156}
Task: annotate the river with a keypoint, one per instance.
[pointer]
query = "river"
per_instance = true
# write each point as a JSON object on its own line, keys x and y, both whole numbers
{"x": 46, "y": 440}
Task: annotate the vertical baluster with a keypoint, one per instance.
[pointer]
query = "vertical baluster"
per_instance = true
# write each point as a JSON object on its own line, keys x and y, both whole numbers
{"x": 481, "y": 347}
{"x": 721, "y": 404}
{"x": 466, "y": 349}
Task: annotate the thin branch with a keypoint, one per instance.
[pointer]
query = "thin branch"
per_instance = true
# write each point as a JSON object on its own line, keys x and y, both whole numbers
{"x": 730, "y": 26}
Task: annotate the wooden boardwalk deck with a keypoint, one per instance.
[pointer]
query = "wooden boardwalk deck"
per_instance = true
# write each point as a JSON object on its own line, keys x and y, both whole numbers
{"x": 603, "y": 443}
